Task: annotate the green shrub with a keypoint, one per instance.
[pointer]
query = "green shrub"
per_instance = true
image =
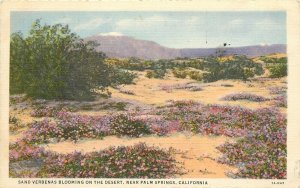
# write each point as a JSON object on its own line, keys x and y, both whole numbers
{"x": 248, "y": 72}
{"x": 118, "y": 76}
{"x": 159, "y": 73}
{"x": 278, "y": 70}
{"x": 149, "y": 74}
{"x": 239, "y": 67}
{"x": 54, "y": 63}
{"x": 156, "y": 73}
{"x": 179, "y": 72}
{"x": 209, "y": 77}
{"x": 15, "y": 124}
{"x": 13, "y": 119}
{"x": 195, "y": 75}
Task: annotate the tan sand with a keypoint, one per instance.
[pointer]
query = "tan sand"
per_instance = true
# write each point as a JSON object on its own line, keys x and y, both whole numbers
{"x": 148, "y": 91}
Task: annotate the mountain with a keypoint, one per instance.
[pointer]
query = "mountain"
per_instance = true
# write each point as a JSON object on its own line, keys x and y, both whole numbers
{"x": 123, "y": 46}
{"x": 250, "y": 51}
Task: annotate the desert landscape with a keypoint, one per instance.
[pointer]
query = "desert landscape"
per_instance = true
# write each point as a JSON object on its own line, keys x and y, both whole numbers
{"x": 135, "y": 109}
{"x": 195, "y": 152}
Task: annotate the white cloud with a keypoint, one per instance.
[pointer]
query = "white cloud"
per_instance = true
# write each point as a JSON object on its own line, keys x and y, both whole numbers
{"x": 117, "y": 34}
{"x": 91, "y": 24}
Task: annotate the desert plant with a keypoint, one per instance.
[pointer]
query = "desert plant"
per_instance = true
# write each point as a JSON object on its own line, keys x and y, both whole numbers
{"x": 195, "y": 75}
{"x": 13, "y": 119}
{"x": 277, "y": 90}
{"x": 278, "y": 70}
{"x": 262, "y": 153}
{"x": 126, "y": 91}
{"x": 149, "y": 74}
{"x": 118, "y": 76}
{"x": 262, "y": 133}
{"x": 179, "y": 72}
{"x": 137, "y": 161}
{"x": 22, "y": 150}
{"x": 280, "y": 100}
{"x": 54, "y": 63}
{"x": 244, "y": 96}
{"x": 159, "y": 73}
{"x": 46, "y": 111}
{"x": 122, "y": 125}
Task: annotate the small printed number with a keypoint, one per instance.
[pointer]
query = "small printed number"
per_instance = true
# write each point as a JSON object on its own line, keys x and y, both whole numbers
{"x": 278, "y": 182}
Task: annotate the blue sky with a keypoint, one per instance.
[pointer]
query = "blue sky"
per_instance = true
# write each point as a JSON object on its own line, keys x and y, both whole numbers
{"x": 170, "y": 29}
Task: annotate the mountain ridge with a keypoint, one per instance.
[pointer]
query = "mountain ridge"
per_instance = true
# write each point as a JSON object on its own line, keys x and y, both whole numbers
{"x": 124, "y": 47}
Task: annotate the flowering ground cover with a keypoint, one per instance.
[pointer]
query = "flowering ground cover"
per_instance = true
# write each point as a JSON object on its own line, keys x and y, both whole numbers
{"x": 23, "y": 150}
{"x": 261, "y": 150}
{"x": 244, "y": 96}
{"x": 68, "y": 126}
{"x": 14, "y": 124}
{"x": 125, "y": 124}
{"x": 184, "y": 86}
{"x": 126, "y": 91}
{"x": 137, "y": 161}
{"x": 280, "y": 98}
{"x": 280, "y": 101}
{"x": 277, "y": 90}
{"x": 42, "y": 111}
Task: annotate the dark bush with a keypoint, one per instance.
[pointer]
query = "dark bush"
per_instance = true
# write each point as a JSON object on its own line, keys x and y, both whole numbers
{"x": 54, "y": 63}
{"x": 239, "y": 67}
{"x": 119, "y": 76}
{"x": 278, "y": 70}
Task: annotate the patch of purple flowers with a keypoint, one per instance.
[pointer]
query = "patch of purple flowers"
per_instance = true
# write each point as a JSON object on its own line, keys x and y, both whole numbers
{"x": 259, "y": 153}
{"x": 244, "y": 96}
{"x": 277, "y": 90}
{"x": 185, "y": 86}
{"x": 280, "y": 101}
{"x": 261, "y": 150}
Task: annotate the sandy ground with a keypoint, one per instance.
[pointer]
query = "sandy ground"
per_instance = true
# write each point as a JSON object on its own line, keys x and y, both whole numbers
{"x": 148, "y": 91}
{"x": 197, "y": 153}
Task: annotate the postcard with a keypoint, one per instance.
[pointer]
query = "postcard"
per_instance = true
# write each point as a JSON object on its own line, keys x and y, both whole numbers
{"x": 150, "y": 94}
